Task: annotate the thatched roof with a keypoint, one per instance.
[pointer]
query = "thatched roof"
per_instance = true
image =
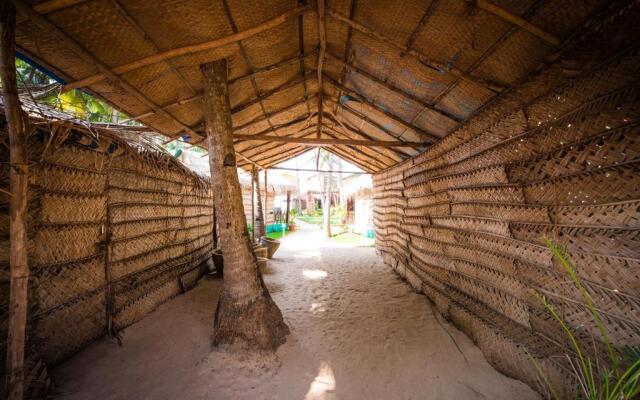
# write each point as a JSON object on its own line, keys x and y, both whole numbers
{"x": 114, "y": 140}
{"x": 410, "y": 71}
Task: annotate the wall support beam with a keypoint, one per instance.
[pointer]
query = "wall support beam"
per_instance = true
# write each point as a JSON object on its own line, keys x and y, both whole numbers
{"x": 18, "y": 178}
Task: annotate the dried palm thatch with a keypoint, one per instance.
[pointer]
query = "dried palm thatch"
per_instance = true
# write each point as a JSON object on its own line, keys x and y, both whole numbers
{"x": 558, "y": 158}
{"x": 406, "y": 71}
{"x": 115, "y": 224}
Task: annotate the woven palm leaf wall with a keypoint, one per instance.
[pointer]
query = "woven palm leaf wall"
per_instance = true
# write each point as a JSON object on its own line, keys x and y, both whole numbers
{"x": 114, "y": 230}
{"x": 557, "y": 157}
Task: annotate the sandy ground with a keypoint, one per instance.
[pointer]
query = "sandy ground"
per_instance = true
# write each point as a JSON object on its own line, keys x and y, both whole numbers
{"x": 358, "y": 332}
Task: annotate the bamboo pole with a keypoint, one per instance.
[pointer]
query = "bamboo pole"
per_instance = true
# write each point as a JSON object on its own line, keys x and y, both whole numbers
{"x": 18, "y": 177}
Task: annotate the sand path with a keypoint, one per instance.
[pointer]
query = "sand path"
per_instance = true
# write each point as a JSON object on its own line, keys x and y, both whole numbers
{"x": 358, "y": 332}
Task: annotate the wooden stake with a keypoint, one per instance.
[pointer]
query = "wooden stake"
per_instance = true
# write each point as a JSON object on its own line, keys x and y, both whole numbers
{"x": 18, "y": 178}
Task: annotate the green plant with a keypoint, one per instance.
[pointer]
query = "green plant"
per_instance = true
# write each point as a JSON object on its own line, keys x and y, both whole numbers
{"x": 616, "y": 379}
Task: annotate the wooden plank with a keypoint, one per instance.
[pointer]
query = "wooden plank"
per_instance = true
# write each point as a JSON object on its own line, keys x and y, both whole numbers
{"x": 18, "y": 183}
{"x": 324, "y": 142}
{"x": 186, "y": 50}
{"x": 516, "y": 20}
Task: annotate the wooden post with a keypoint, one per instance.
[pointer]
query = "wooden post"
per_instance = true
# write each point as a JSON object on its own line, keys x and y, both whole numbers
{"x": 286, "y": 215}
{"x": 266, "y": 200}
{"x": 253, "y": 205}
{"x": 245, "y": 311}
{"x": 260, "y": 229}
{"x": 18, "y": 178}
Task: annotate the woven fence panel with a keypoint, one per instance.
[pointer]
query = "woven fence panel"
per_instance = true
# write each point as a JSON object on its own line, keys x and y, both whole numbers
{"x": 465, "y": 222}
{"x": 110, "y": 235}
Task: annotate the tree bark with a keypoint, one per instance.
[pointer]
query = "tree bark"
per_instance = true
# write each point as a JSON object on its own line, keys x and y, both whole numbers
{"x": 18, "y": 178}
{"x": 260, "y": 228}
{"x": 246, "y": 313}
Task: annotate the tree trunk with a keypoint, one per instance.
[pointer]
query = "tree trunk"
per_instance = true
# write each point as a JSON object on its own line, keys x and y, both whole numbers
{"x": 18, "y": 178}
{"x": 246, "y": 313}
{"x": 260, "y": 228}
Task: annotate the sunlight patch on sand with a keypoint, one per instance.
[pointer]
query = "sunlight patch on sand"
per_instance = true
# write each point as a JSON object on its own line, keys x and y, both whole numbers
{"x": 323, "y": 385}
{"x": 314, "y": 274}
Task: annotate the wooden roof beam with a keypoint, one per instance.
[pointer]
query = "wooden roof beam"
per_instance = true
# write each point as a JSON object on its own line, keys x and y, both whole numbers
{"x": 286, "y": 156}
{"x": 327, "y": 142}
{"x": 322, "y": 35}
{"x": 251, "y": 151}
{"x": 238, "y": 108}
{"x": 516, "y": 20}
{"x": 375, "y": 152}
{"x": 50, "y": 6}
{"x": 46, "y": 25}
{"x": 136, "y": 27}
{"x": 379, "y": 152}
{"x": 277, "y": 128}
{"x": 368, "y": 153}
{"x": 400, "y": 92}
{"x": 364, "y": 165}
{"x": 365, "y": 118}
{"x": 275, "y": 113}
{"x": 348, "y": 53}
{"x": 187, "y": 50}
{"x": 357, "y": 96}
{"x": 384, "y": 152}
{"x": 424, "y": 60}
{"x": 287, "y": 85}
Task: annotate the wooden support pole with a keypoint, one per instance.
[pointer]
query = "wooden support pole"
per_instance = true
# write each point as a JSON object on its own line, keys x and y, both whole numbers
{"x": 266, "y": 201}
{"x": 286, "y": 214}
{"x": 18, "y": 181}
{"x": 245, "y": 312}
{"x": 259, "y": 229}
